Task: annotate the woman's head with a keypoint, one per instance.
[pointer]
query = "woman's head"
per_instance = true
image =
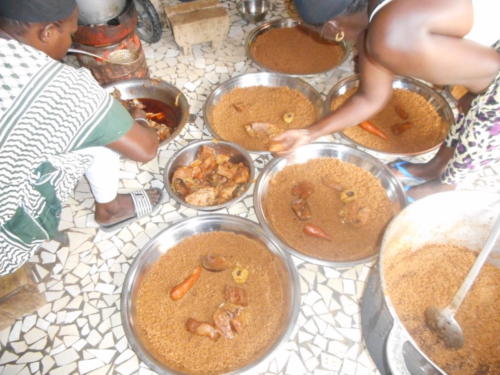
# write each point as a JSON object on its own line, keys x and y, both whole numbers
{"x": 336, "y": 18}
{"x": 46, "y": 25}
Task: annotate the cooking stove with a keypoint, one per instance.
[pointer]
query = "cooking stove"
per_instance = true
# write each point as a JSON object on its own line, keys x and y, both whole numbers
{"x": 105, "y": 39}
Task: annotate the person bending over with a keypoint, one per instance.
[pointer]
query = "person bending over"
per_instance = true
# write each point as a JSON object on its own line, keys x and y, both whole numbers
{"x": 57, "y": 124}
{"x": 445, "y": 42}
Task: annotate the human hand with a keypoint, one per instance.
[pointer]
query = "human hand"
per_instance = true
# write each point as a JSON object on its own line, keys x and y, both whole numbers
{"x": 290, "y": 140}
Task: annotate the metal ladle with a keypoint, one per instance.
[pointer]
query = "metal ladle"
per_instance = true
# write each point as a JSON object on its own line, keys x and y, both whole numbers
{"x": 118, "y": 57}
{"x": 443, "y": 321}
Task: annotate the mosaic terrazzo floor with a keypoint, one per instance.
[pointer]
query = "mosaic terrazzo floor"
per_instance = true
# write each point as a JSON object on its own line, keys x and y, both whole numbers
{"x": 79, "y": 330}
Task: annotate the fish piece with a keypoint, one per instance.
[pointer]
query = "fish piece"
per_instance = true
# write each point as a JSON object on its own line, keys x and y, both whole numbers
{"x": 205, "y": 152}
{"x": 242, "y": 174}
{"x": 398, "y": 129}
{"x": 221, "y": 158}
{"x": 301, "y": 209}
{"x": 215, "y": 263}
{"x": 226, "y": 191}
{"x": 181, "y": 289}
{"x": 225, "y": 318}
{"x": 330, "y": 182}
{"x": 401, "y": 112}
{"x": 182, "y": 173}
{"x": 262, "y": 130}
{"x": 354, "y": 215}
{"x": 235, "y": 295}
{"x": 203, "y": 197}
{"x": 315, "y": 231}
{"x": 362, "y": 216}
{"x": 227, "y": 169}
{"x": 303, "y": 189}
{"x": 202, "y": 329}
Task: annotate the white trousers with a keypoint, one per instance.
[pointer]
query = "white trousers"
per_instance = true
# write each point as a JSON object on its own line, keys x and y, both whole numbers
{"x": 103, "y": 173}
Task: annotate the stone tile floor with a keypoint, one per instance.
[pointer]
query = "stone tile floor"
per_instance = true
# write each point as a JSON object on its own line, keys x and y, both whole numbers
{"x": 79, "y": 330}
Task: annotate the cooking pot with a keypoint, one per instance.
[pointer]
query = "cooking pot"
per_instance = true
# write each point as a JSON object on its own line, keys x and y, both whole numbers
{"x": 97, "y": 12}
{"x": 462, "y": 218}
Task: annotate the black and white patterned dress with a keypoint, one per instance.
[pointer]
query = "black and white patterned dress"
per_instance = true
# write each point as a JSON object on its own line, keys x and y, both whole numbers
{"x": 47, "y": 110}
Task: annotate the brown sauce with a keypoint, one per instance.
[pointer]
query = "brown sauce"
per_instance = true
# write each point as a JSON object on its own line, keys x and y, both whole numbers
{"x": 155, "y": 106}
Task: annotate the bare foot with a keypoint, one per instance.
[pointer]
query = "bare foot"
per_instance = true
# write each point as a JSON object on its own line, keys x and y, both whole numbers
{"x": 415, "y": 169}
{"x": 430, "y": 170}
{"x": 121, "y": 208}
{"x": 428, "y": 188}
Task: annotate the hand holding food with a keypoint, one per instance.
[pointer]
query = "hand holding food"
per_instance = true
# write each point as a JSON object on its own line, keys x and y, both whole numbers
{"x": 291, "y": 140}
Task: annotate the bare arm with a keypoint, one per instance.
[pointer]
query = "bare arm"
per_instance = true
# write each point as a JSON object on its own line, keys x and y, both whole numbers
{"x": 374, "y": 91}
{"x": 424, "y": 38}
{"x": 139, "y": 143}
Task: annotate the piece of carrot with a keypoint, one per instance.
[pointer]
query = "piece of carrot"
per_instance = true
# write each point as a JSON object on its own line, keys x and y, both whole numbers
{"x": 375, "y": 130}
{"x": 315, "y": 231}
{"x": 180, "y": 290}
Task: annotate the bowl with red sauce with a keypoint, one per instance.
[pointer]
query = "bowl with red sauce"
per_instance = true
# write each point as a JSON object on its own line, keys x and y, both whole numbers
{"x": 165, "y": 106}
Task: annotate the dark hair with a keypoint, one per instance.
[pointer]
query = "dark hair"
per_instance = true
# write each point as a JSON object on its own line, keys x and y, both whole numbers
{"x": 356, "y": 6}
{"x": 19, "y": 28}
{"x": 14, "y": 27}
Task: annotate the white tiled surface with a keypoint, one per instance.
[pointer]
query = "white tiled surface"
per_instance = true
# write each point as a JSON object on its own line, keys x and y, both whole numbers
{"x": 79, "y": 330}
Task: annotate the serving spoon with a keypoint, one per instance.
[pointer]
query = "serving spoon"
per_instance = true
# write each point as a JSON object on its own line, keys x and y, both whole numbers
{"x": 118, "y": 57}
{"x": 442, "y": 321}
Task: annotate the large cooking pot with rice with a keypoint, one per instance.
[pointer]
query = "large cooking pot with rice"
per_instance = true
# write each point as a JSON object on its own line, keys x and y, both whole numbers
{"x": 459, "y": 218}
{"x": 172, "y": 236}
{"x": 433, "y": 97}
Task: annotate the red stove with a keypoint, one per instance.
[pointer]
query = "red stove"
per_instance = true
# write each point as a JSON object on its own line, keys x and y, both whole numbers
{"x": 108, "y": 29}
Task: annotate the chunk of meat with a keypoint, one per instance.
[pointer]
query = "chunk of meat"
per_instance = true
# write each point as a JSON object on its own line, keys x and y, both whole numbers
{"x": 205, "y": 152}
{"x": 301, "y": 209}
{"x": 226, "y": 191}
{"x": 222, "y": 158}
{"x": 215, "y": 263}
{"x": 399, "y": 129}
{"x": 303, "y": 189}
{"x": 262, "y": 130}
{"x": 235, "y": 295}
{"x": 201, "y": 329}
{"x": 227, "y": 170}
{"x": 180, "y": 187}
{"x": 332, "y": 183}
{"x": 202, "y": 197}
{"x": 183, "y": 173}
{"x": 354, "y": 214}
{"x": 401, "y": 112}
{"x": 242, "y": 174}
{"x": 225, "y": 317}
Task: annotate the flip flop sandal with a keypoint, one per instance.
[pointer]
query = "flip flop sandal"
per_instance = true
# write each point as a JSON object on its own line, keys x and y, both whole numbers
{"x": 142, "y": 206}
{"x": 408, "y": 178}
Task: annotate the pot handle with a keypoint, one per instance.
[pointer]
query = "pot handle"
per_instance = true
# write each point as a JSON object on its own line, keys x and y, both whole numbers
{"x": 394, "y": 351}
